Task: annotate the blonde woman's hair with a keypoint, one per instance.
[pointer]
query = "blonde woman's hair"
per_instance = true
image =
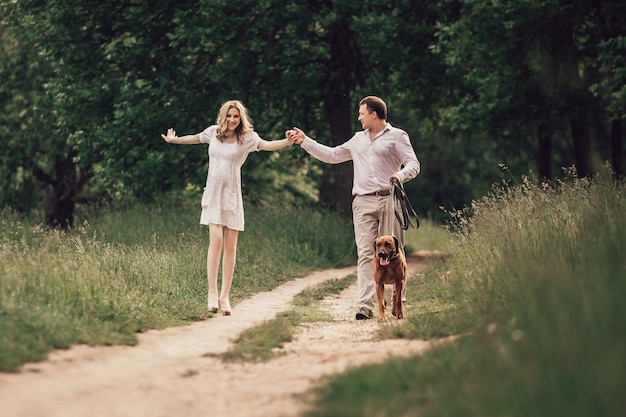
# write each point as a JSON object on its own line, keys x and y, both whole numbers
{"x": 245, "y": 126}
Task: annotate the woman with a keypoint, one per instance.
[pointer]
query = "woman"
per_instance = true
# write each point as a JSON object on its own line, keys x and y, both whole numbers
{"x": 230, "y": 141}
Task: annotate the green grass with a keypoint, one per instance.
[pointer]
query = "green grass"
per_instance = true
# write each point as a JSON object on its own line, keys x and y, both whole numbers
{"x": 537, "y": 276}
{"x": 141, "y": 267}
{"x": 536, "y": 279}
{"x": 430, "y": 236}
{"x": 265, "y": 341}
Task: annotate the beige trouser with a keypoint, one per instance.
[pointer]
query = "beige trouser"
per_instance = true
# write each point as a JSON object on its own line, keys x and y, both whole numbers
{"x": 373, "y": 216}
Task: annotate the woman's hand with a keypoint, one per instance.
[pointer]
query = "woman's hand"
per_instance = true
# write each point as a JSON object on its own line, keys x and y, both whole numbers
{"x": 171, "y": 135}
{"x": 295, "y": 135}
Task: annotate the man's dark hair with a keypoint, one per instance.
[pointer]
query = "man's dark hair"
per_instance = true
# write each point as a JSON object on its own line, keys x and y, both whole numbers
{"x": 376, "y": 104}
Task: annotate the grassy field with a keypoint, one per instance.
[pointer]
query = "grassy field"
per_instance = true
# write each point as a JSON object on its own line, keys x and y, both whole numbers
{"x": 537, "y": 282}
{"x": 127, "y": 270}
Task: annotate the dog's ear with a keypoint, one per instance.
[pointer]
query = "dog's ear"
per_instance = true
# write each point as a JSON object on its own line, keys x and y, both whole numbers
{"x": 375, "y": 241}
{"x": 395, "y": 239}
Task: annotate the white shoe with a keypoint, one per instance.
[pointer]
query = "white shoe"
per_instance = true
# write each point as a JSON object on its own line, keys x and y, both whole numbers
{"x": 212, "y": 304}
{"x": 225, "y": 306}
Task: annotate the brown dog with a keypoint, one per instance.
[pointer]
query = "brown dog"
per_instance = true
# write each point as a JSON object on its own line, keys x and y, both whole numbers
{"x": 389, "y": 268}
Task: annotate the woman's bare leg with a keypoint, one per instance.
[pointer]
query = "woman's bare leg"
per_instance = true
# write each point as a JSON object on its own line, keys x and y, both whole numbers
{"x": 213, "y": 262}
{"x": 228, "y": 266}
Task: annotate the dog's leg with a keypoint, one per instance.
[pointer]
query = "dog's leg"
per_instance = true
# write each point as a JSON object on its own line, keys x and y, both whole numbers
{"x": 380, "y": 294}
{"x": 397, "y": 301}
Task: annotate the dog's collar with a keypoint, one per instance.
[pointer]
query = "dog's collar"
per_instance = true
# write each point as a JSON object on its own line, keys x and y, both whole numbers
{"x": 394, "y": 258}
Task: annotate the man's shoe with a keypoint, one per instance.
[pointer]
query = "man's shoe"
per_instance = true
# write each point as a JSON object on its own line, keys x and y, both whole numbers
{"x": 364, "y": 314}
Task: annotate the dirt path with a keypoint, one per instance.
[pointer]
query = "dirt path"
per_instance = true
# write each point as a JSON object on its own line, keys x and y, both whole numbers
{"x": 166, "y": 374}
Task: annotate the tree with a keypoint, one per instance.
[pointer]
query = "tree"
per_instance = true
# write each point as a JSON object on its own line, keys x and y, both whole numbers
{"x": 475, "y": 83}
{"x": 307, "y": 52}
{"x": 608, "y": 61}
{"x": 526, "y": 69}
{"x": 24, "y": 125}
{"x": 114, "y": 85}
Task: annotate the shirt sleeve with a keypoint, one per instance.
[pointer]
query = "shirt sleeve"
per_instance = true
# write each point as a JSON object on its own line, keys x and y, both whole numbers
{"x": 330, "y": 155}
{"x": 207, "y": 134}
{"x": 252, "y": 140}
{"x": 411, "y": 165}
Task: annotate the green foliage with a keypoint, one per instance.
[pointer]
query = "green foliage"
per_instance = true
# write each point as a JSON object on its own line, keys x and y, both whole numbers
{"x": 537, "y": 273}
{"x": 141, "y": 267}
{"x": 612, "y": 88}
{"x": 475, "y": 84}
{"x": 27, "y": 137}
{"x": 118, "y": 87}
{"x": 527, "y": 69}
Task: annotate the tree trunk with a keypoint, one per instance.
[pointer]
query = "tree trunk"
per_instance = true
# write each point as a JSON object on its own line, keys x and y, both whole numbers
{"x": 582, "y": 145}
{"x": 341, "y": 84}
{"x": 617, "y": 149}
{"x": 62, "y": 193}
{"x": 343, "y": 173}
{"x": 544, "y": 157}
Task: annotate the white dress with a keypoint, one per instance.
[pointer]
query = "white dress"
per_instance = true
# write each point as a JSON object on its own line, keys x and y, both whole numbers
{"x": 222, "y": 202}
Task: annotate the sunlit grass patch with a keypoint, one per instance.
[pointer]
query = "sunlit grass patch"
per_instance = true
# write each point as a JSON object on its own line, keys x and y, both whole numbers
{"x": 265, "y": 341}
{"x": 260, "y": 343}
{"x": 316, "y": 293}
{"x": 432, "y": 309}
{"x": 430, "y": 236}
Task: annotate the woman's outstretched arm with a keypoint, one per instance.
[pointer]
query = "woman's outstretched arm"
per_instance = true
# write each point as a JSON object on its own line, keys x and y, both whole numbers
{"x": 182, "y": 140}
{"x": 273, "y": 145}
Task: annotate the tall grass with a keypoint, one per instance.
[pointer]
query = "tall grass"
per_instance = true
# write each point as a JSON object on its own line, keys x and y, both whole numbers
{"x": 140, "y": 267}
{"x": 538, "y": 277}
{"x": 430, "y": 236}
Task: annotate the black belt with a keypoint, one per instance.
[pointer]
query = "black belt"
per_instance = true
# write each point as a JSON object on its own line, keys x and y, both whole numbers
{"x": 382, "y": 193}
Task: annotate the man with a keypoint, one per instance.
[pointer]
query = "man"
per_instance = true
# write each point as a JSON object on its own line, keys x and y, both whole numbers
{"x": 379, "y": 153}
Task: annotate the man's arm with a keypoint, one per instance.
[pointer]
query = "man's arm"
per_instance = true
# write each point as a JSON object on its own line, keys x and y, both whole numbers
{"x": 411, "y": 165}
{"x": 328, "y": 154}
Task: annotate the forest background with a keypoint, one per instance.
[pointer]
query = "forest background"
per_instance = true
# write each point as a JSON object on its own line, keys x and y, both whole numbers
{"x": 87, "y": 87}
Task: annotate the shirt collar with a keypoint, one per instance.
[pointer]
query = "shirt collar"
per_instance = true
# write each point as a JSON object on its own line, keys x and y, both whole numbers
{"x": 387, "y": 128}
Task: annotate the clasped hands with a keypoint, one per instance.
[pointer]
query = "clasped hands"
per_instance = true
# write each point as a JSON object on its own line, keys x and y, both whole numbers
{"x": 295, "y": 135}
